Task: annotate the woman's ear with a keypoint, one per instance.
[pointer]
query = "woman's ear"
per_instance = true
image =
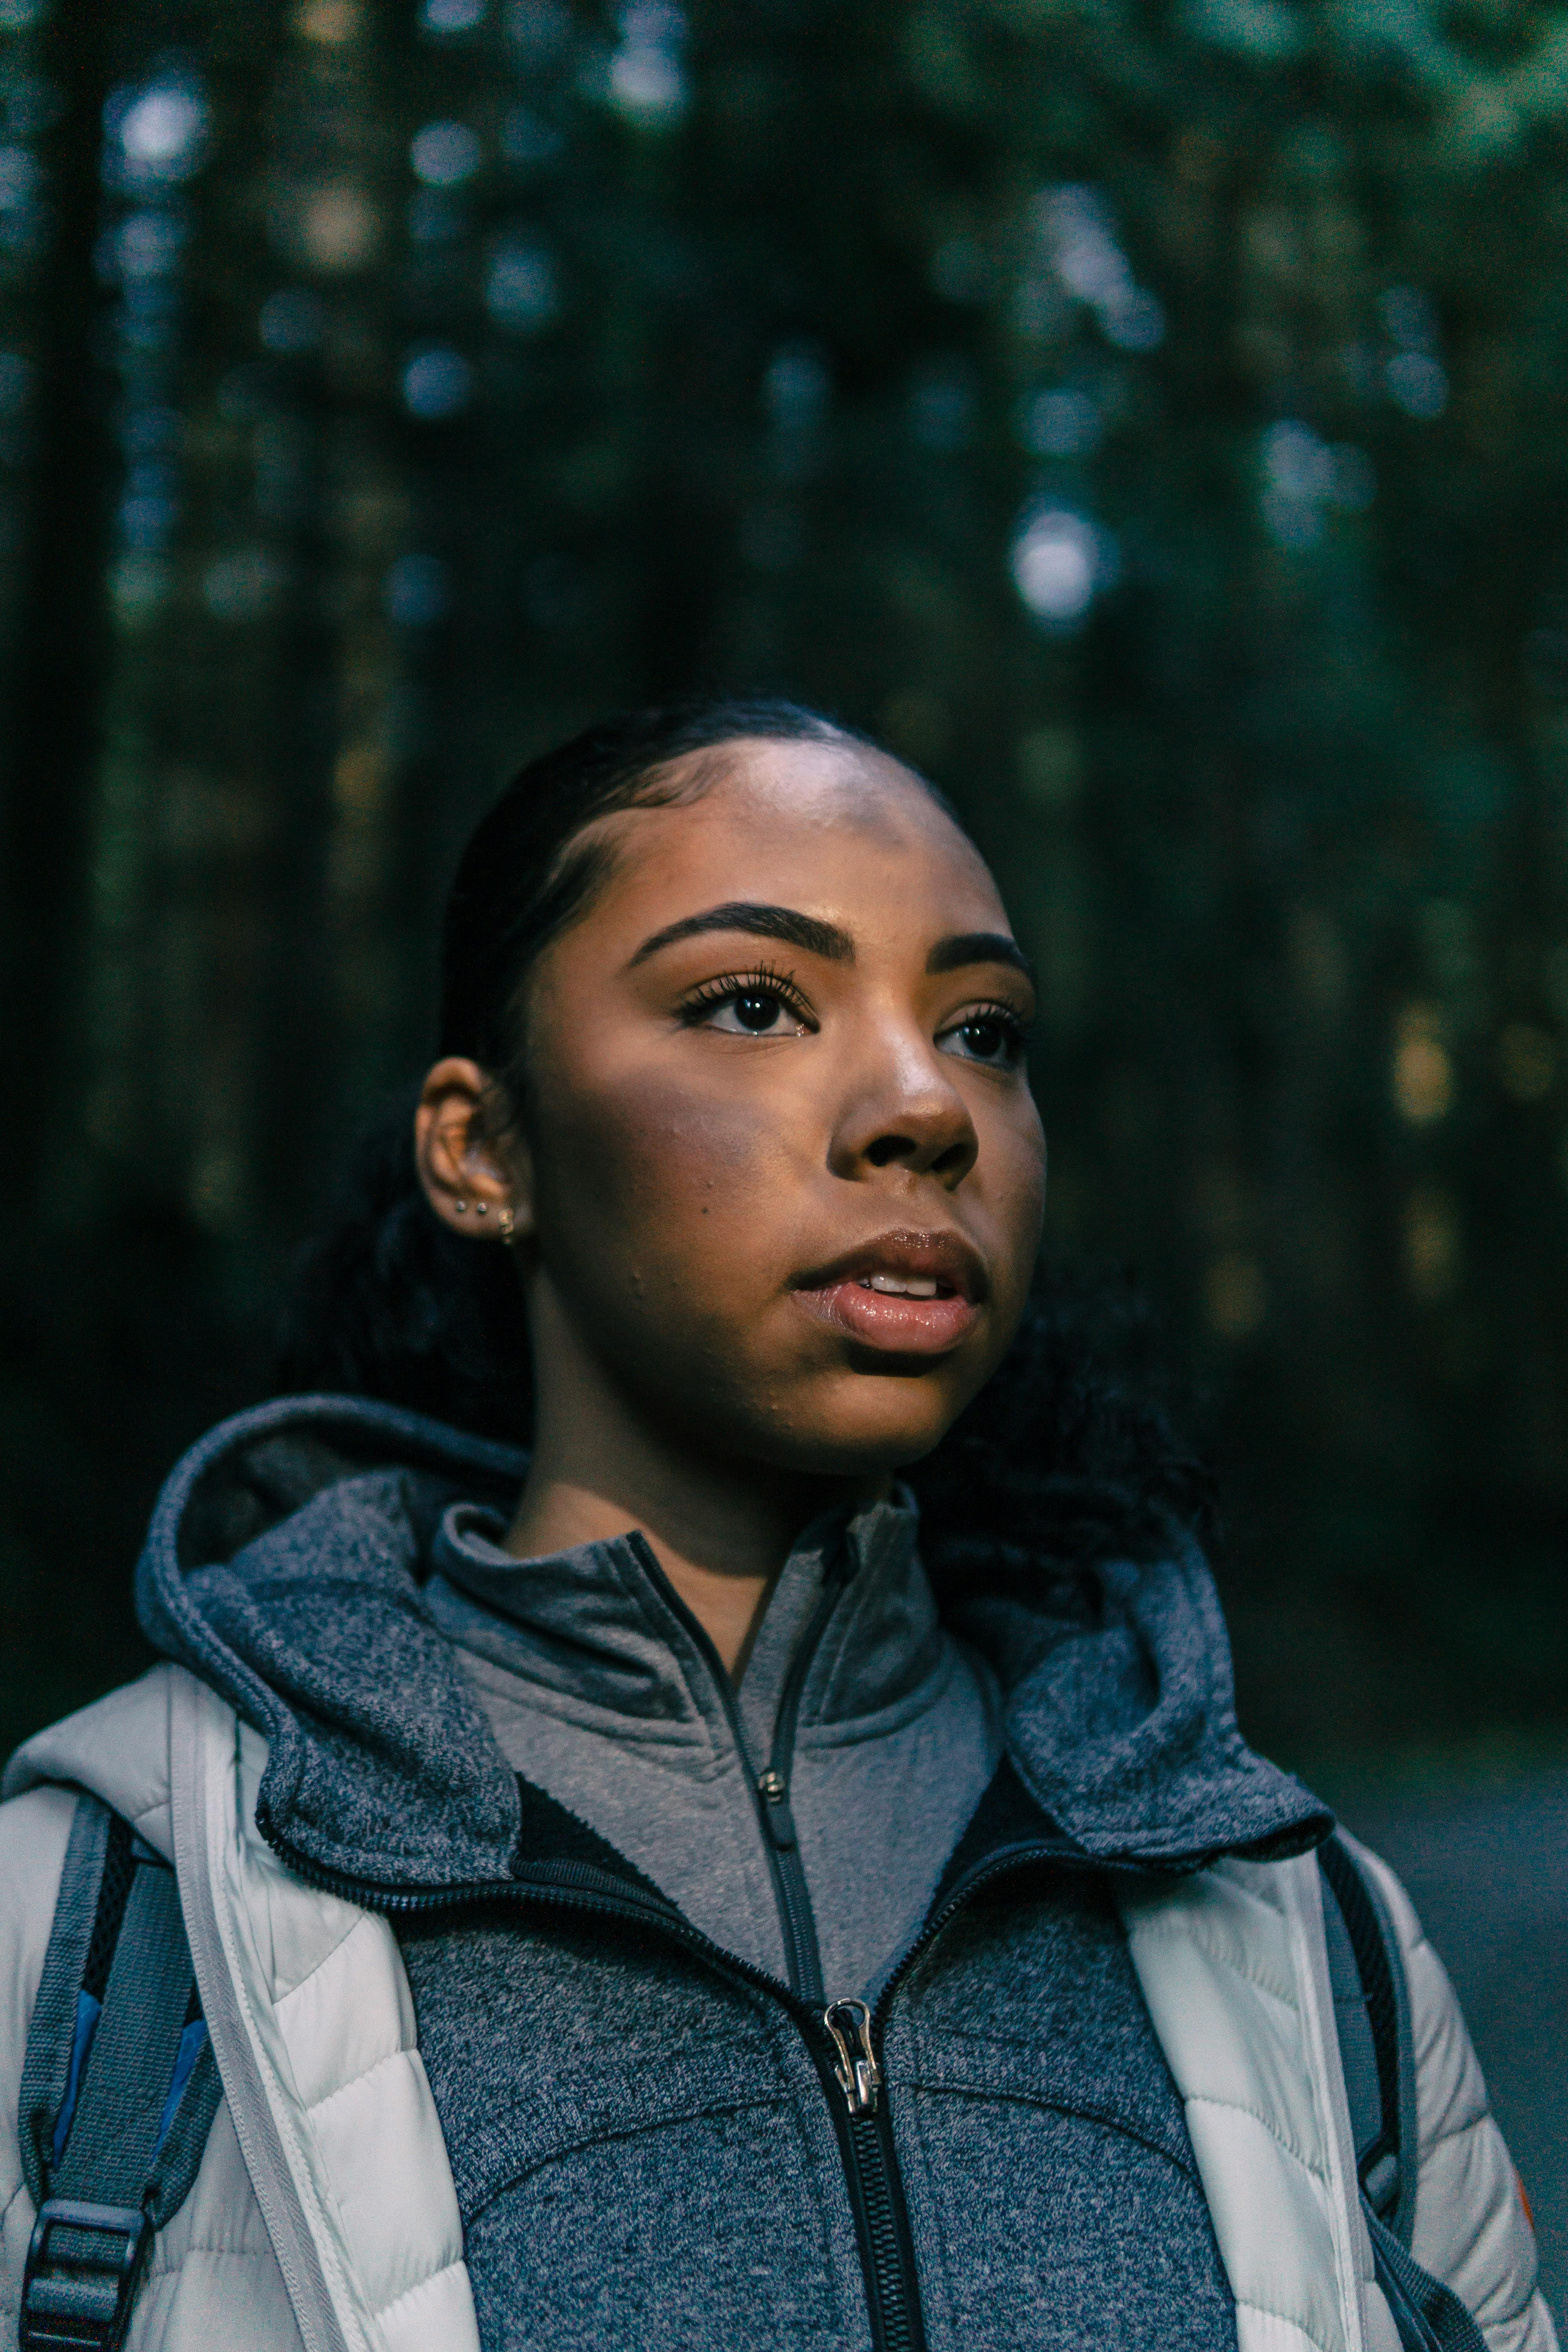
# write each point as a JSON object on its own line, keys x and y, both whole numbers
{"x": 477, "y": 1175}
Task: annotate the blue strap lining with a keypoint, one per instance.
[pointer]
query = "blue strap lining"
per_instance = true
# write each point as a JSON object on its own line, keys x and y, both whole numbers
{"x": 190, "y": 2049}
{"x": 88, "y": 2010}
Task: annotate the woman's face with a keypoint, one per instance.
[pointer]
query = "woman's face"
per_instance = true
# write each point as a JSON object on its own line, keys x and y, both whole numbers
{"x": 784, "y": 1173}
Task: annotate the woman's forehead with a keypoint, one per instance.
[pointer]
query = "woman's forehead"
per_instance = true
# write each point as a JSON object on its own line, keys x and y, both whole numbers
{"x": 820, "y": 815}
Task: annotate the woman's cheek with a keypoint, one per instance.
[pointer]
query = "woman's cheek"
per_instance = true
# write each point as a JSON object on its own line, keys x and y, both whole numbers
{"x": 688, "y": 1184}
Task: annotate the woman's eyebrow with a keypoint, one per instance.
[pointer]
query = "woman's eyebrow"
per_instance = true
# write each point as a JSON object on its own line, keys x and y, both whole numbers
{"x": 978, "y": 947}
{"x": 783, "y": 923}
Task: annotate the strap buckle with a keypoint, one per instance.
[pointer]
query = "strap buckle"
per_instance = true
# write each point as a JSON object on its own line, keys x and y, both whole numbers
{"x": 80, "y": 2279}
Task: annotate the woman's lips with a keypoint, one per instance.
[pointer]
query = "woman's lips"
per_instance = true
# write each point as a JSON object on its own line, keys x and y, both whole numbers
{"x": 892, "y": 1320}
{"x": 917, "y": 1291}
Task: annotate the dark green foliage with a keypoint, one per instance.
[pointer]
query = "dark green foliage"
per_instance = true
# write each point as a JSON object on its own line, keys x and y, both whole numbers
{"x": 405, "y": 389}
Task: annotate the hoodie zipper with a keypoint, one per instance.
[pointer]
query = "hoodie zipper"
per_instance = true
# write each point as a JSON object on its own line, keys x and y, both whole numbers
{"x": 864, "y": 2135}
{"x": 843, "y": 2037}
{"x": 769, "y": 1789}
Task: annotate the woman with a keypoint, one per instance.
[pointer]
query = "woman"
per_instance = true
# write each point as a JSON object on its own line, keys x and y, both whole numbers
{"x": 650, "y": 1890}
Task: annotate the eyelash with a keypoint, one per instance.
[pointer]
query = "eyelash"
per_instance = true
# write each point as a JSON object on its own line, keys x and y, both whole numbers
{"x": 762, "y": 981}
{"x": 765, "y": 979}
{"x": 1012, "y": 1023}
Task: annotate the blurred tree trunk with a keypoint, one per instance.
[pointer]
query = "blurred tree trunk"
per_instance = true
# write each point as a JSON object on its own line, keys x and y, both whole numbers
{"x": 61, "y": 648}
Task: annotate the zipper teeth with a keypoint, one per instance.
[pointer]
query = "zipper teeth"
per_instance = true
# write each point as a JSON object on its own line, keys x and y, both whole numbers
{"x": 895, "y": 2327}
{"x": 803, "y": 1957}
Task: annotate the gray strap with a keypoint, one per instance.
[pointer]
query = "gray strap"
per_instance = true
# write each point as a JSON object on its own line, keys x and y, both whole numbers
{"x": 46, "y": 2064}
{"x": 1429, "y": 2316}
{"x": 1372, "y": 2014}
{"x": 178, "y": 2161}
{"x": 1357, "y": 2052}
{"x": 1402, "y": 2221}
{"x": 1372, "y": 2008}
{"x": 109, "y": 2152}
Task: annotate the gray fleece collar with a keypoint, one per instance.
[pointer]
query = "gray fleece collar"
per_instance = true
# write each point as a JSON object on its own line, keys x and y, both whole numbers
{"x": 587, "y": 1625}
{"x": 286, "y": 1565}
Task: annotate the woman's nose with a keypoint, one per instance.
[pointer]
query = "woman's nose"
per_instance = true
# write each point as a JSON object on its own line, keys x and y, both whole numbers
{"x": 909, "y": 1116}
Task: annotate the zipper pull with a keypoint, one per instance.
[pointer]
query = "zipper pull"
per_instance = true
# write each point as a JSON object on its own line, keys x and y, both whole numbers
{"x": 777, "y": 1818}
{"x": 860, "y": 2076}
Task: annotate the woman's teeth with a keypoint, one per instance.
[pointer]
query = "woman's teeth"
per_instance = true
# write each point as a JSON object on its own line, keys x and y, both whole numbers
{"x": 900, "y": 1286}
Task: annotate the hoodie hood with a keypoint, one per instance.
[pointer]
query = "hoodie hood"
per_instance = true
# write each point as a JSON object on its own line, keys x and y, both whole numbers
{"x": 286, "y": 1564}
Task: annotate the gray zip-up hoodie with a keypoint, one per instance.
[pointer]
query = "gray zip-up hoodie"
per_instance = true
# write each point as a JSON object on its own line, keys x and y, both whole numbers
{"x": 615, "y": 2074}
{"x": 869, "y": 1729}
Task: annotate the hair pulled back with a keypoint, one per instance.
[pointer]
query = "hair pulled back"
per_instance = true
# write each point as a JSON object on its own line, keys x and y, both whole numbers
{"x": 1067, "y": 1456}
{"x": 387, "y": 1302}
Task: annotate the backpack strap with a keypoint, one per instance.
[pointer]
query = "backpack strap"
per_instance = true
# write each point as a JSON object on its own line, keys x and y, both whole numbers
{"x": 1372, "y": 2014}
{"x": 119, "y": 2086}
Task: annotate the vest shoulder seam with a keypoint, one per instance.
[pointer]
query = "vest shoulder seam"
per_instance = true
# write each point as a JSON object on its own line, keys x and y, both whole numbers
{"x": 1291, "y": 2319}
{"x": 387, "y": 2058}
{"x": 380, "y": 2310}
{"x": 1185, "y": 1932}
{"x": 1240, "y": 2107}
{"x": 280, "y": 2001}
{"x": 1456, "y": 2131}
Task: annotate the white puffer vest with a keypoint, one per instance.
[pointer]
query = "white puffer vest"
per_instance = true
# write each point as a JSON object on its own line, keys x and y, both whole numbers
{"x": 324, "y": 2215}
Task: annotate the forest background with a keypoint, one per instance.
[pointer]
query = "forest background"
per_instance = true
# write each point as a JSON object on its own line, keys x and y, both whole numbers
{"x": 1148, "y": 414}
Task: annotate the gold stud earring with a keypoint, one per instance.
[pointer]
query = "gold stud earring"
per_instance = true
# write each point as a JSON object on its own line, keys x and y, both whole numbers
{"x": 508, "y": 1225}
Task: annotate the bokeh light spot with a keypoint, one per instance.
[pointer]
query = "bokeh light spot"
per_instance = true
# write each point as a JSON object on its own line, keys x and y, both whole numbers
{"x": 1417, "y": 383}
{"x": 331, "y": 22}
{"x": 942, "y": 407}
{"x": 445, "y": 155}
{"x": 437, "y": 383}
{"x": 521, "y": 290}
{"x": 1432, "y": 1243}
{"x": 1059, "y": 560}
{"x": 645, "y": 79}
{"x": 1423, "y": 1069}
{"x": 797, "y": 386}
{"x": 162, "y": 129}
{"x": 338, "y": 228}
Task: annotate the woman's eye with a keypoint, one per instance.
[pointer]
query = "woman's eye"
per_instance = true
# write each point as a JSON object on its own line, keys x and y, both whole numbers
{"x": 753, "y": 1012}
{"x": 997, "y": 1038}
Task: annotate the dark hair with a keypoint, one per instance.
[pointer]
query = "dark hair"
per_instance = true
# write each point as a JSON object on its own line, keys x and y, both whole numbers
{"x": 528, "y": 871}
{"x": 1068, "y": 1453}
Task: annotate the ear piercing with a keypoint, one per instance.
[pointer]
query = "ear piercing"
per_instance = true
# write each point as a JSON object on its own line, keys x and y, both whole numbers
{"x": 506, "y": 1219}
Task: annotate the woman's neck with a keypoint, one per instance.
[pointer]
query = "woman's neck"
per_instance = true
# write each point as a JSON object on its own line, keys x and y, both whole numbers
{"x": 721, "y": 1530}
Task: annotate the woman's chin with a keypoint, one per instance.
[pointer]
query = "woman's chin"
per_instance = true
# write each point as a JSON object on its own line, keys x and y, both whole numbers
{"x": 853, "y": 1434}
